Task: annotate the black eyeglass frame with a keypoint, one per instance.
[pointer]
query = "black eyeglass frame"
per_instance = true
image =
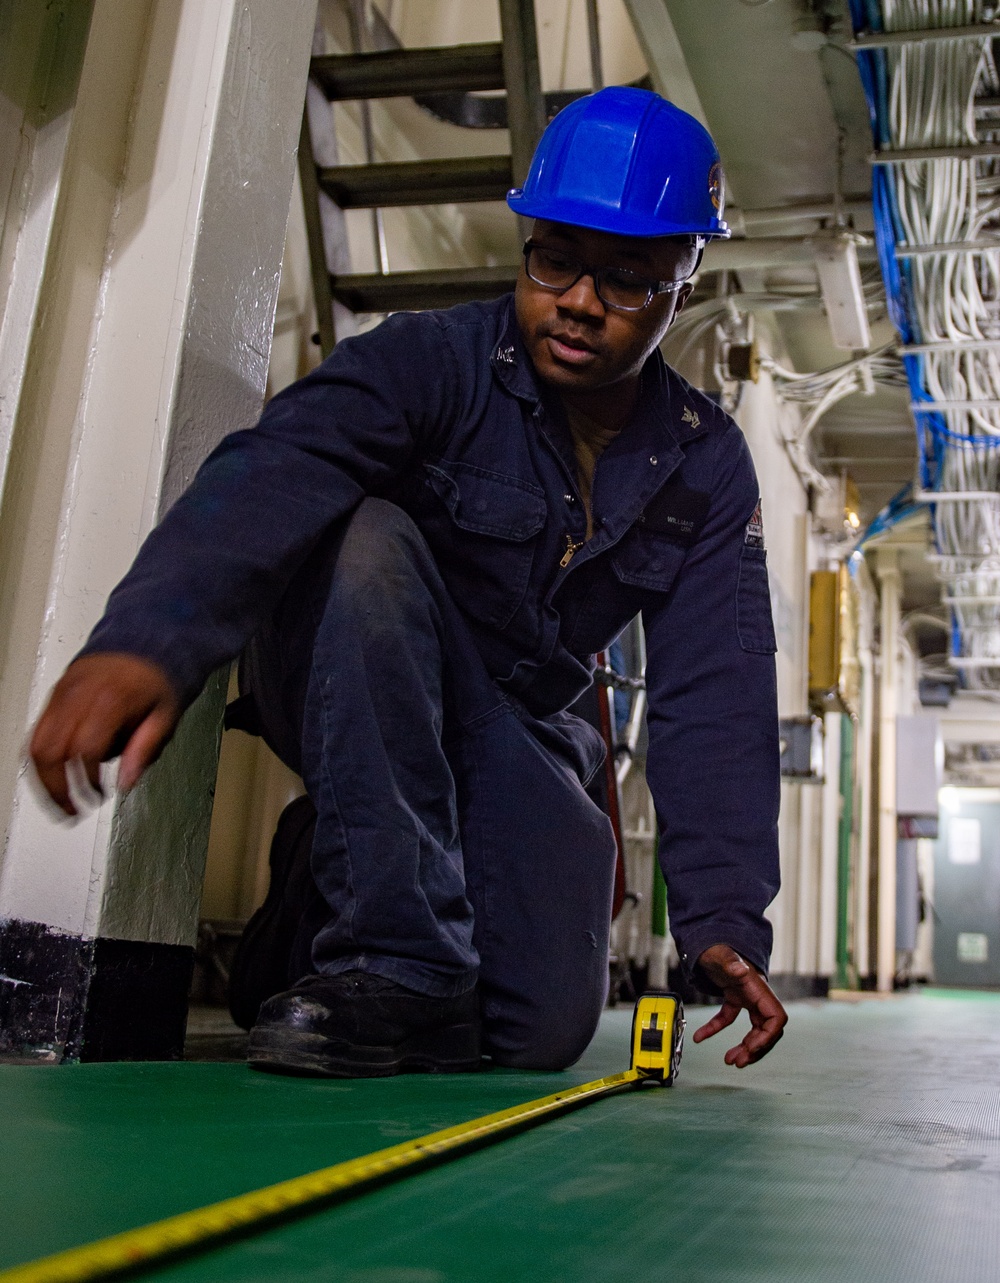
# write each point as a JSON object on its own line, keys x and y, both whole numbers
{"x": 653, "y": 288}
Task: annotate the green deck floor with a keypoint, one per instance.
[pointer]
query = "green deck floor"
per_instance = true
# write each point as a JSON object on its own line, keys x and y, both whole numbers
{"x": 866, "y": 1149}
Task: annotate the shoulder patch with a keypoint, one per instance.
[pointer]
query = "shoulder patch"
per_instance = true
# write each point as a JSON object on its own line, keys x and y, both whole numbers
{"x": 754, "y": 537}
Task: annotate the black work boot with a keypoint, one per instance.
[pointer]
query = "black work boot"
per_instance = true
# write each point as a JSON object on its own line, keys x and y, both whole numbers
{"x": 359, "y": 1025}
{"x": 261, "y": 966}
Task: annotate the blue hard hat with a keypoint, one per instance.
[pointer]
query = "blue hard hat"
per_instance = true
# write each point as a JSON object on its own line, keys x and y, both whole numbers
{"x": 626, "y": 161}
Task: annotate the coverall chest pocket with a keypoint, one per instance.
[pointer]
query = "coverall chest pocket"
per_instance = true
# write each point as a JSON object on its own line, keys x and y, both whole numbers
{"x": 754, "y": 622}
{"x": 648, "y": 559}
{"x": 483, "y": 535}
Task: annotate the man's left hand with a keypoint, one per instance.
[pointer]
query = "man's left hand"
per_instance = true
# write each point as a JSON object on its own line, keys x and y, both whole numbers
{"x": 742, "y": 987}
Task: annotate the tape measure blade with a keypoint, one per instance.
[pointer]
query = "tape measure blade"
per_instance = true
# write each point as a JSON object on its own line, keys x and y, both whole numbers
{"x": 152, "y": 1244}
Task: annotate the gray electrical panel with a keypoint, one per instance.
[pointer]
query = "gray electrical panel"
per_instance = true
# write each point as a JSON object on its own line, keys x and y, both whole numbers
{"x": 918, "y": 765}
{"x": 966, "y": 900}
{"x": 802, "y": 749}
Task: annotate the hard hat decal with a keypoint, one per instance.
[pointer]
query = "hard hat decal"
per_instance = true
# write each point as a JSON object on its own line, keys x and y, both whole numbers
{"x": 717, "y": 187}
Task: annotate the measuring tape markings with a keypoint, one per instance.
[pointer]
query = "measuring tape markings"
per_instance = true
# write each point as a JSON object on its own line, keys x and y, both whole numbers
{"x": 161, "y": 1239}
{"x": 657, "y": 1037}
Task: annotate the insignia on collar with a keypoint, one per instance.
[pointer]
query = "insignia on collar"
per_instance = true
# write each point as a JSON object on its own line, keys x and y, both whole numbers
{"x": 691, "y": 418}
{"x": 754, "y": 537}
{"x": 506, "y": 354}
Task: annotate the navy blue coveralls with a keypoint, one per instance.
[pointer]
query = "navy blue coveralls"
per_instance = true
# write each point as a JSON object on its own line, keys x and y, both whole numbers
{"x": 393, "y": 535}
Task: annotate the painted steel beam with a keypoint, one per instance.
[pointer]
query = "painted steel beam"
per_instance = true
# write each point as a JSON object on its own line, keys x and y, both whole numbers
{"x": 863, "y": 428}
{"x": 664, "y": 55}
{"x": 950, "y": 345}
{"x": 939, "y": 250}
{"x": 956, "y": 496}
{"x": 927, "y": 35}
{"x": 933, "y": 407}
{"x": 767, "y": 252}
{"x": 826, "y": 207}
{"x": 964, "y": 151}
{"x": 904, "y": 462}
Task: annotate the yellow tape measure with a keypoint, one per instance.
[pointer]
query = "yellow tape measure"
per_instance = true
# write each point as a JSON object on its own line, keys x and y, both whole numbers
{"x": 657, "y": 1035}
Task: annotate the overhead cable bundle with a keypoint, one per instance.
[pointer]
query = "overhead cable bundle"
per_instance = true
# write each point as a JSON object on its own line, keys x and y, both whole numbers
{"x": 937, "y": 226}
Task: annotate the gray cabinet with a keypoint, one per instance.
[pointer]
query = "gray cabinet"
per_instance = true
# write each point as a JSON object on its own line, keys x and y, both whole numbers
{"x": 967, "y": 889}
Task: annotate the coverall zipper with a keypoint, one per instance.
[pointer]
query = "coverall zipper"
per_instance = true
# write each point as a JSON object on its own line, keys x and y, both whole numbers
{"x": 571, "y": 549}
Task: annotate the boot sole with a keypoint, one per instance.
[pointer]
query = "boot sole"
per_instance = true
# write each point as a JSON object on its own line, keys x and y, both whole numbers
{"x": 451, "y": 1050}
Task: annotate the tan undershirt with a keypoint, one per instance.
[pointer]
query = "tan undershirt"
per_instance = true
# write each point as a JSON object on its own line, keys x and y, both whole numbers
{"x": 590, "y": 440}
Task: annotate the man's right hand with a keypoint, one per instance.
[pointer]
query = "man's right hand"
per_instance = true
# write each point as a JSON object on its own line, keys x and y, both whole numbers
{"x": 103, "y": 706}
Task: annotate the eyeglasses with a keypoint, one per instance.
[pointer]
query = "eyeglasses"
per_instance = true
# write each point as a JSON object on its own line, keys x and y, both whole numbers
{"x": 614, "y": 286}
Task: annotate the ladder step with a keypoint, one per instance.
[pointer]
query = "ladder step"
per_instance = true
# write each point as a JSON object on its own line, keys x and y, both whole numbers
{"x": 406, "y": 73}
{"x": 415, "y": 291}
{"x": 418, "y": 182}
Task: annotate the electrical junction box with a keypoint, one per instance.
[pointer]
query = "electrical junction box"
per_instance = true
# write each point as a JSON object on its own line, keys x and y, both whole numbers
{"x": 834, "y": 666}
{"x": 843, "y": 295}
{"x": 801, "y": 740}
{"x": 937, "y": 692}
{"x": 743, "y": 362}
{"x": 919, "y": 762}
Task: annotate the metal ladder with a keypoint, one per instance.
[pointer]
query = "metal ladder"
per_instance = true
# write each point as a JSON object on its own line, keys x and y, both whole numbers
{"x": 435, "y": 77}
{"x": 446, "y": 82}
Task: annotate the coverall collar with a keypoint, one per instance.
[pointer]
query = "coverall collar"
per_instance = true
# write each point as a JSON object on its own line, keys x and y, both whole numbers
{"x": 511, "y": 362}
{"x": 661, "y": 396}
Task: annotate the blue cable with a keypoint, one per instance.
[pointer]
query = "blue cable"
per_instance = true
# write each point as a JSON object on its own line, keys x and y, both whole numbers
{"x": 933, "y": 434}
{"x": 934, "y": 437}
{"x": 899, "y": 507}
{"x": 956, "y": 646}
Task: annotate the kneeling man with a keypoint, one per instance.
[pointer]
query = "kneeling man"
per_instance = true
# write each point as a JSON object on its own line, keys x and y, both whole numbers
{"x": 418, "y": 551}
